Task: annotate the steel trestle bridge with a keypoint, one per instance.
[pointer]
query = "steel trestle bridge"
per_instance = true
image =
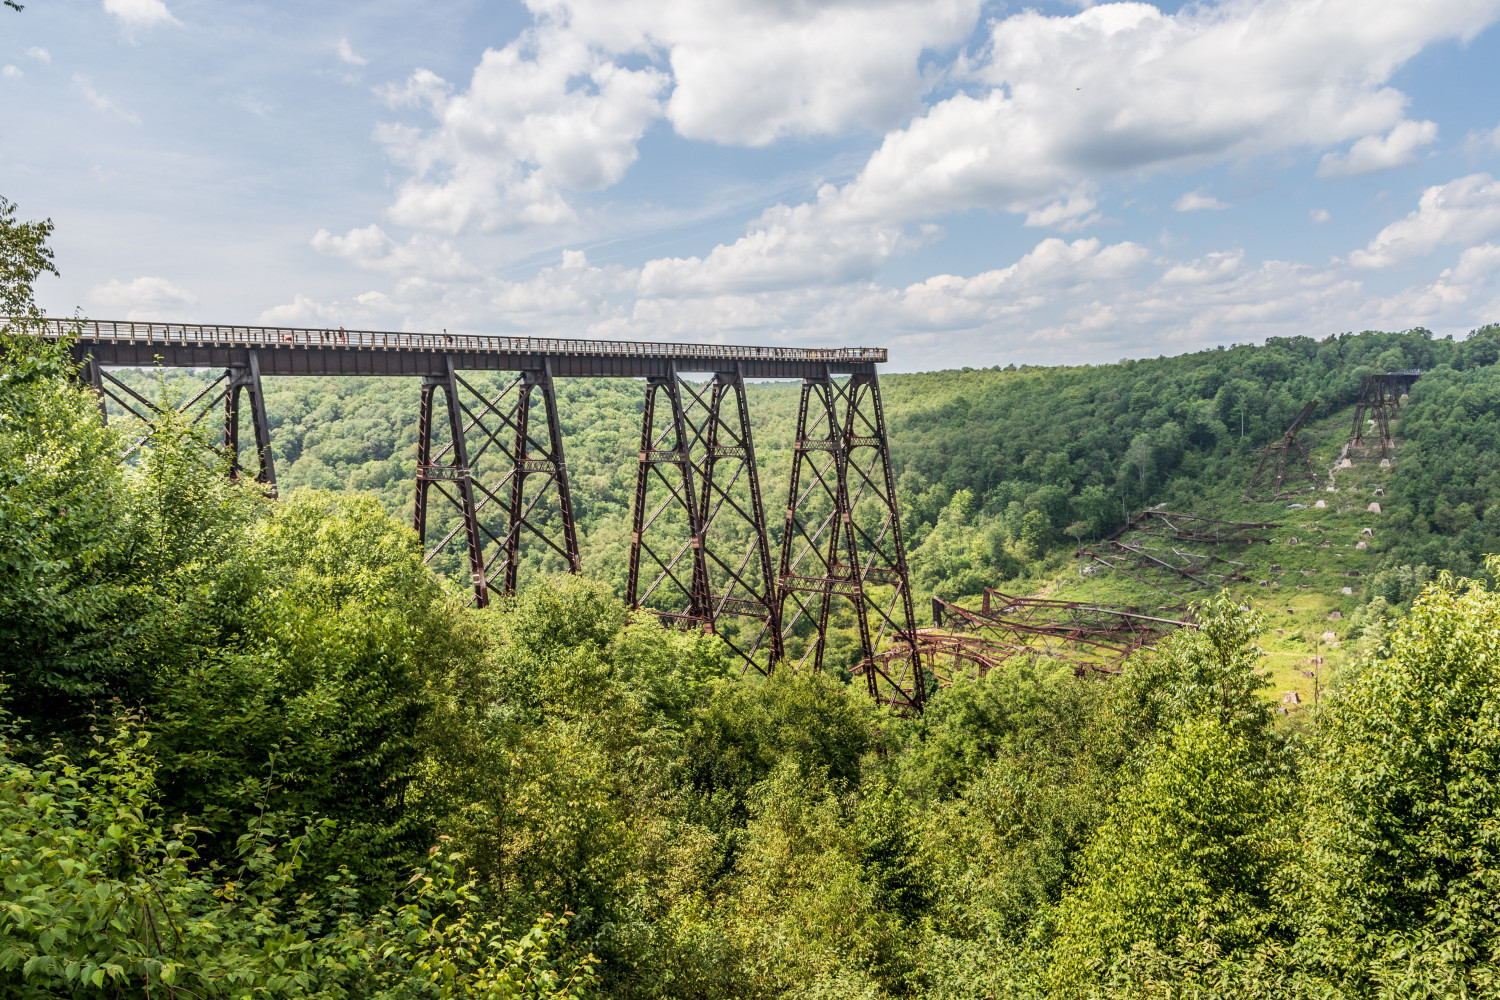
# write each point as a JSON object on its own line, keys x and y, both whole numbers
{"x": 700, "y": 549}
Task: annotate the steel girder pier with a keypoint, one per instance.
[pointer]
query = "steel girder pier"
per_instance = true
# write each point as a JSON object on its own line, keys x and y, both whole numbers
{"x": 1380, "y": 400}
{"x": 842, "y": 539}
{"x": 236, "y": 381}
{"x": 698, "y": 517}
{"x": 245, "y": 379}
{"x": 527, "y": 492}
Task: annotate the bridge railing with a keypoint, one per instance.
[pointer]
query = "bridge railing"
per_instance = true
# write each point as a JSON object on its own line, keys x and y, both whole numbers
{"x": 205, "y": 335}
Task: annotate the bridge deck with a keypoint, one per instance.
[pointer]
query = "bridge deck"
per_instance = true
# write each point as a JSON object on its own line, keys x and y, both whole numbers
{"x": 308, "y": 351}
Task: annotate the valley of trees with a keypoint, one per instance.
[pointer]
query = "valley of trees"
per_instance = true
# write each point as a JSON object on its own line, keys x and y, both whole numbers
{"x": 254, "y": 748}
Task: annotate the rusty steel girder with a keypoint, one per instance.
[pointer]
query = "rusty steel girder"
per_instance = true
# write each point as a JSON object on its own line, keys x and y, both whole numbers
{"x": 699, "y": 520}
{"x": 527, "y": 496}
{"x": 1046, "y": 626}
{"x": 842, "y": 540}
{"x": 1163, "y": 549}
{"x": 237, "y": 381}
{"x": 1379, "y": 400}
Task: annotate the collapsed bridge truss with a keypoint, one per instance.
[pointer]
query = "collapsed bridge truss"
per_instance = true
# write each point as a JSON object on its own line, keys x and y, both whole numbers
{"x": 1093, "y": 637}
{"x": 1173, "y": 553}
{"x": 1286, "y": 467}
{"x": 492, "y": 481}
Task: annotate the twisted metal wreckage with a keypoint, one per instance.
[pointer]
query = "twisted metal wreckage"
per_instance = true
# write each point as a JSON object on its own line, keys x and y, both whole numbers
{"x": 1093, "y": 637}
{"x": 1166, "y": 550}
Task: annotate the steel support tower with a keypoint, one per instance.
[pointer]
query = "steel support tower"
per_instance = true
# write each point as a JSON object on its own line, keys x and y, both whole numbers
{"x": 842, "y": 539}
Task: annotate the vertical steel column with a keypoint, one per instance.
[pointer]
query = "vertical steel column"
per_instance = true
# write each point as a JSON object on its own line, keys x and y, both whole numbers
{"x": 262, "y": 425}
{"x": 232, "y": 422}
{"x": 515, "y": 512}
{"x": 681, "y": 494}
{"x": 532, "y": 456}
{"x": 843, "y": 536}
{"x": 1378, "y": 397}
{"x": 455, "y": 472}
{"x": 93, "y": 376}
{"x": 879, "y": 538}
{"x": 500, "y": 426}
{"x": 559, "y": 467}
{"x": 741, "y": 584}
{"x": 809, "y": 569}
{"x": 246, "y": 378}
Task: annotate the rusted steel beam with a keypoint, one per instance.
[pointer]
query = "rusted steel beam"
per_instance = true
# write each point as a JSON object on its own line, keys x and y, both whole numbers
{"x": 719, "y": 576}
{"x": 842, "y": 538}
{"x": 453, "y": 479}
{"x": 666, "y": 518}
{"x": 303, "y": 351}
{"x": 1380, "y": 400}
{"x": 526, "y": 498}
{"x": 245, "y": 379}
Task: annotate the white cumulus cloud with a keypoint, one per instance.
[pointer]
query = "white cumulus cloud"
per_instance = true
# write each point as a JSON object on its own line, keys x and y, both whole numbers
{"x": 40, "y": 54}
{"x": 749, "y": 72}
{"x": 1463, "y": 211}
{"x": 144, "y": 298}
{"x": 1197, "y": 201}
{"x": 1374, "y": 153}
{"x": 371, "y": 249}
{"x": 1124, "y": 88}
{"x": 543, "y": 116}
{"x": 134, "y": 15}
{"x": 12, "y": 72}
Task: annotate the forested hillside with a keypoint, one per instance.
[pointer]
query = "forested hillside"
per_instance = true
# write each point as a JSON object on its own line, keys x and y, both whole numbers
{"x": 254, "y": 748}
{"x": 1002, "y": 472}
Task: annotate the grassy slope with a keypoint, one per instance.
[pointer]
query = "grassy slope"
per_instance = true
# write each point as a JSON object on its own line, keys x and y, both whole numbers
{"x": 1296, "y": 586}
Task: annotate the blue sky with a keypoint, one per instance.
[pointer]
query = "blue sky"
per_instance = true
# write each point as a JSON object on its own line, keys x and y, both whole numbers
{"x": 966, "y": 183}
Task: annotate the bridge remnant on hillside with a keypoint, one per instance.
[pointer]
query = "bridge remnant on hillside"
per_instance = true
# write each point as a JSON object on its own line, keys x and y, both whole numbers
{"x": 699, "y": 529}
{"x": 1380, "y": 400}
{"x": 1286, "y": 450}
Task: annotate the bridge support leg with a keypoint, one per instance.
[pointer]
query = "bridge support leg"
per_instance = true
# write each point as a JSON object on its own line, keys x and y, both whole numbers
{"x": 246, "y": 378}
{"x": 452, "y": 479}
{"x": 673, "y": 526}
{"x": 531, "y": 457}
{"x": 843, "y": 539}
{"x": 532, "y": 496}
{"x": 698, "y": 518}
{"x": 92, "y": 376}
{"x": 741, "y": 576}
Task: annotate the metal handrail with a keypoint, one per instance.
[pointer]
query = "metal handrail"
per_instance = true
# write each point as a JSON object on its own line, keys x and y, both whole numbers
{"x": 210, "y": 335}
